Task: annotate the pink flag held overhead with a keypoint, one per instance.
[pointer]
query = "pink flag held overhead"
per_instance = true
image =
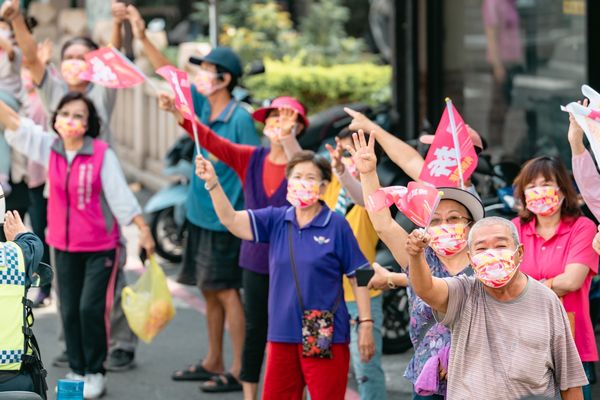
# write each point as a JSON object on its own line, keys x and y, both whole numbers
{"x": 417, "y": 201}
{"x": 451, "y": 143}
{"x": 180, "y": 84}
{"x": 108, "y": 67}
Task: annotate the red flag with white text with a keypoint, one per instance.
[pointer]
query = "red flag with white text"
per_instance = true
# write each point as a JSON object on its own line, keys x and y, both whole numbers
{"x": 108, "y": 67}
{"x": 451, "y": 142}
{"x": 181, "y": 87}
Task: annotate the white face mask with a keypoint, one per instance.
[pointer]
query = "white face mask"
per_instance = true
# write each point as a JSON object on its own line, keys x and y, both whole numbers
{"x": 5, "y": 34}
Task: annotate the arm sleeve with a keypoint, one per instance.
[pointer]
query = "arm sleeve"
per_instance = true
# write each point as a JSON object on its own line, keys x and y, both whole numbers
{"x": 121, "y": 201}
{"x": 458, "y": 289}
{"x": 33, "y": 251}
{"x": 236, "y": 156}
{"x": 489, "y": 13}
{"x": 261, "y": 223}
{"x": 51, "y": 89}
{"x": 290, "y": 145}
{"x": 568, "y": 370}
{"x": 580, "y": 249}
{"x": 31, "y": 139}
{"x": 588, "y": 181}
{"x": 353, "y": 187}
{"x": 348, "y": 250}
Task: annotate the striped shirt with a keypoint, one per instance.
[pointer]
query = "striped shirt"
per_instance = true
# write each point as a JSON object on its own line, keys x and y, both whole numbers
{"x": 508, "y": 350}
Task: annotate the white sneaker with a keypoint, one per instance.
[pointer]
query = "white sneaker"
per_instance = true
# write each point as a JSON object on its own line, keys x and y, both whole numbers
{"x": 75, "y": 377}
{"x": 95, "y": 386}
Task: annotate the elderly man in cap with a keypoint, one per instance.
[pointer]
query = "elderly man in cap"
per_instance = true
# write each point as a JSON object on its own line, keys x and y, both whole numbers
{"x": 511, "y": 337}
{"x": 211, "y": 254}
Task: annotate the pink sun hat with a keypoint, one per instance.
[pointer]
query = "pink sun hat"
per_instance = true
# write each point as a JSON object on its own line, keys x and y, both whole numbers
{"x": 475, "y": 138}
{"x": 260, "y": 115}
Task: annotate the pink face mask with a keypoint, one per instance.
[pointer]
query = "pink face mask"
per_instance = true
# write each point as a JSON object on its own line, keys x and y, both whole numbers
{"x": 495, "y": 267}
{"x": 71, "y": 70}
{"x": 69, "y": 127}
{"x": 350, "y": 166}
{"x": 205, "y": 82}
{"x": 272, "y": 129}
{"x": 447, "y": 239}
{"x": 302, "y": 193}
{"x": 543, "y": 200}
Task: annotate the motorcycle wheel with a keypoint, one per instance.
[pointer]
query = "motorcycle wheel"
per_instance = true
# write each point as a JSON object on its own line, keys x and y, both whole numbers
{"x": 396, "y": 319}
{"x": 167, "y": 235}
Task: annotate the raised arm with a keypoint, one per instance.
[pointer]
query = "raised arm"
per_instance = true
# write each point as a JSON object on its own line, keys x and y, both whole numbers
{"x": 235, "y": 155}
{"x": 433, "y": 291}
{"x": 388, "y": 230}
{"x": 11, "y": 11}
{"x": 138, "y": 27}
{"x": 119, "y": 13}
{"x": 237, "y": 222}
{"x": 348, "y": 181}
{"x": 401, "y": 153}
{"x": 584, "y": 169}
{"x": 289, "y": 138}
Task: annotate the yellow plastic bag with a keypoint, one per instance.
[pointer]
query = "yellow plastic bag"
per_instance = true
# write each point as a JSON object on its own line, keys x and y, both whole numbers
{"x": 147, "y": 304}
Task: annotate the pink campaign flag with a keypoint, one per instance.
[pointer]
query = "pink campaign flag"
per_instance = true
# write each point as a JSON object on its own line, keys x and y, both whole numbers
{"x": 417, "y": 201}
{"x": 451, "y": 143}
{"x": 108, "y": 67}
{"x": 181, "y": 88}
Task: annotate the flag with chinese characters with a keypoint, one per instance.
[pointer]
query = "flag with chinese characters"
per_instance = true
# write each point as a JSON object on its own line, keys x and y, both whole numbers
{"x": 417, "y": 201}
{"x": 441, "y": 164}
{"x": 180, "y": 84}
{"x": 108, "y": 67}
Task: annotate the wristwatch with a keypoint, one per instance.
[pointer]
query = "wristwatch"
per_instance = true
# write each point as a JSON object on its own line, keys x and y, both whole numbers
{"x": 209, "y": 188}
{"x": 390, "y": 283}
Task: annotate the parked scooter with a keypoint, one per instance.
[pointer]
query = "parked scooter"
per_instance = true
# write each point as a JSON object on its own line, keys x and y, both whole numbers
{"x": 167, "y": 207}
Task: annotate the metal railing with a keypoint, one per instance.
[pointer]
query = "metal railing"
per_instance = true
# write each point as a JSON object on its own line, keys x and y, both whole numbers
{"x": 142, "y": 134}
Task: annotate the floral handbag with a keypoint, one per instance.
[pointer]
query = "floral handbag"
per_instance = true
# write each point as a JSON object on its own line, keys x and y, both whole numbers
{"x": 317, "y": 325}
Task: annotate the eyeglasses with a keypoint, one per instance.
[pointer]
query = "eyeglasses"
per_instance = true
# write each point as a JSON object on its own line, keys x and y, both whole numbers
{"x": 451, "y": 220}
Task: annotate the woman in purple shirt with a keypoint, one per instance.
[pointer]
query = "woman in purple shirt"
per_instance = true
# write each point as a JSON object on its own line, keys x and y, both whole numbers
{"x": 310, "y": 248}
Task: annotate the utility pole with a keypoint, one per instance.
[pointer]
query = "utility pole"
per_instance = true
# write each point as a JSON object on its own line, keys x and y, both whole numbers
{"x": 213, "y": 23}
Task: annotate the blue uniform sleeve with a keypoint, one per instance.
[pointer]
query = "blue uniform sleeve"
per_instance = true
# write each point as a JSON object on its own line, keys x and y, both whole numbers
{"x": 33, "y": 251}
{"x": 348, "y": 251}
{"x": 261, "y": 223}
{"x": 245, "y": 130}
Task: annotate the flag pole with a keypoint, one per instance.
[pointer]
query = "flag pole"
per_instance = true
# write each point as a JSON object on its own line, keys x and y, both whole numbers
{"x": 196, "y": 140}
{"x": 455, "y": 140}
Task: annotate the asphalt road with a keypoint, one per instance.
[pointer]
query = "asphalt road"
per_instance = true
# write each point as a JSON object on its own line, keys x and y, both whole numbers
{"x": 183, "y": 342}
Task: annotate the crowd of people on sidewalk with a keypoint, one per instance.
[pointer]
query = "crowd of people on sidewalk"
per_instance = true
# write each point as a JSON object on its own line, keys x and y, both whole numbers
{"x": 499, "y": 309}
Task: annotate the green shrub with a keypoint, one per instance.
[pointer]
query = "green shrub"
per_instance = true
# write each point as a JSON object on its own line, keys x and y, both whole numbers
{"x": 318, "y": 87}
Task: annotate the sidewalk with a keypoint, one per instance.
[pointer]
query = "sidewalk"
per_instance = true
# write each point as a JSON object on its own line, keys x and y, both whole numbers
{"x": 182, "y": 343}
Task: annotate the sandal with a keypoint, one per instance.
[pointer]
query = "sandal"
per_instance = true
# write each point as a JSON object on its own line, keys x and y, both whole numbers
{"x": 193, "y": 373}
{"x": 222, "y": 384}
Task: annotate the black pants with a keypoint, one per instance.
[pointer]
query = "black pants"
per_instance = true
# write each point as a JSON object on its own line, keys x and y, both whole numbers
{"x": 38, "y": 213}
{"x": 256, "y": 308}
{"x": 84, "y": 279}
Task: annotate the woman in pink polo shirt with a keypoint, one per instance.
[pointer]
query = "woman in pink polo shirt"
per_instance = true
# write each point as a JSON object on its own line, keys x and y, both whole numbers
{"x": 558, "y": 245}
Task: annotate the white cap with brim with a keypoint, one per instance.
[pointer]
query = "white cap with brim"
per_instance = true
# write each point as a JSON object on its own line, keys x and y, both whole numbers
{"x": 2, "y": 205}
{"x": 468, "y": 200}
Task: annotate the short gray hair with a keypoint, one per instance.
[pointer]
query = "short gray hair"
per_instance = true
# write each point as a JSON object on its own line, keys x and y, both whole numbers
{"x": 494, "y": 221}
